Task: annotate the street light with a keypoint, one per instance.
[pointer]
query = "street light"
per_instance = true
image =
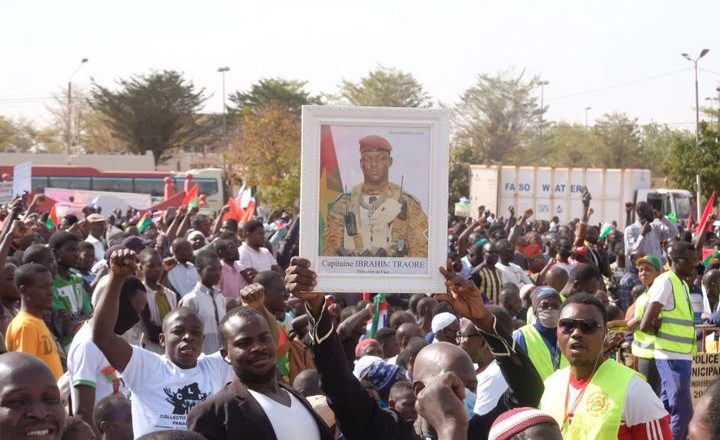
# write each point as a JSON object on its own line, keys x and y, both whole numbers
{"x": 587, "y": 126}
{"x": 222, "y": 70}
{"x": 542, "y": 85}
{"x": 68, "y": 127}
{"x": 697, "y": 118}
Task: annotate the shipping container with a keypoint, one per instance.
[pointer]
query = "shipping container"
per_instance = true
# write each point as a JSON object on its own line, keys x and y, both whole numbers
{"x": 557, "y": 191}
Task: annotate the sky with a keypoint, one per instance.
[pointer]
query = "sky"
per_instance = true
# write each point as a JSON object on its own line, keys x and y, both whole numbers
{"x": 610, "y": 55}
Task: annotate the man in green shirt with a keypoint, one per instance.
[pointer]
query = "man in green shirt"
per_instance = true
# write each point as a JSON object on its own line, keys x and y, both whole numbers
{"x": 70, "y": 299}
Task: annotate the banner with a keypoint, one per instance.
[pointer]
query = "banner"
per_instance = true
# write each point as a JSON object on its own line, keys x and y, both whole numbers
{"x": 22, "y": 178}
{"x": 705, "y": 370}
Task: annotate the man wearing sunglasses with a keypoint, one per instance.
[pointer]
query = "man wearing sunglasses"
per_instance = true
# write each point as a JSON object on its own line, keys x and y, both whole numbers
{"x": 669, "y": 316}
{"x": 598, "y": 398}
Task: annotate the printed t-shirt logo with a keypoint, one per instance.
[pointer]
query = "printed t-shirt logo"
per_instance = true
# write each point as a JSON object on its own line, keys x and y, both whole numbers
{"x": 185, "y": 398}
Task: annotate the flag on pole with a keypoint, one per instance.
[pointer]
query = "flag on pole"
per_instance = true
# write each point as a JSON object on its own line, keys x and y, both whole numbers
{"x": 249, "y": 212}
{"x": 702, "y": 224}
{"x": 53, "y": 222}
{"x": 379, "y": 318}
{"x": 330, "y": 180}
{"x": 158, "y": 216}
{"x": 144, "y": 222}
{"x": 192, "y": 197}
{"x": 236, "y": 212}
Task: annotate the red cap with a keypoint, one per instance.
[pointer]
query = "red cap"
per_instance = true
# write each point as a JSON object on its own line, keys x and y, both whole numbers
{"x": 517, "y": 420}
{"x": 374, "y": 143}
{"x": 362, "y": 344}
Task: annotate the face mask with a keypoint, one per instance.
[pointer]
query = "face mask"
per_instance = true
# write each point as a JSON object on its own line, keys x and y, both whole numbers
{"x": 548, "y": 318}
{"x": 469, "y": 403}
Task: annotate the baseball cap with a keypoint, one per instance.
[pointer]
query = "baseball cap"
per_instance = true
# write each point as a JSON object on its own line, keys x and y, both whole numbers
{"x": 651, "y": 260}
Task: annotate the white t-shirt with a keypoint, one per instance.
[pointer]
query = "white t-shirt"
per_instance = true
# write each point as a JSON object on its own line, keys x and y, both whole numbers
{"x": 288, "y": 421}
{"x": 183, "y": 278}
{"x": 163, "y": 393}
{"x": 641, "y": 403}
{"x": 206, "y": 306}
{"x": 99, "y": 247}
{"x": 513, "y": 274}
{"x": 491, "y": 386}
{"x": 88, "y": 366}
{"x": 662, "y": 292}
{"x": 260, "y": 260}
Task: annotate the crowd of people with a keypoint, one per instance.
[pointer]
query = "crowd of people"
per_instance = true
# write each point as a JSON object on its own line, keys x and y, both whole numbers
{"x": 197, "y": 327}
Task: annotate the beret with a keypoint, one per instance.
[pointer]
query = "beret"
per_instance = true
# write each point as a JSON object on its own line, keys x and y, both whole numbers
{"x": 374, "y": 143}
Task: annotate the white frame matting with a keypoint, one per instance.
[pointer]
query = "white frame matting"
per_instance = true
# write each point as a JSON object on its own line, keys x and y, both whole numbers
{"x": 437, "y": 121}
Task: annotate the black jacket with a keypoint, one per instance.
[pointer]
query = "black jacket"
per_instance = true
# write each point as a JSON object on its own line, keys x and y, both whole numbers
{"x": 233, "y": 413}
{"x": 359, "y": 416}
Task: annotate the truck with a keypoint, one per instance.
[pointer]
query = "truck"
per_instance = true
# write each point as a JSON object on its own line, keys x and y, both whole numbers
{"x": 552, "y": 192}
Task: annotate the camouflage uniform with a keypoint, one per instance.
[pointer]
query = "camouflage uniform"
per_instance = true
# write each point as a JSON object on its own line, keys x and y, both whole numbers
{"x": 384, "y": 227}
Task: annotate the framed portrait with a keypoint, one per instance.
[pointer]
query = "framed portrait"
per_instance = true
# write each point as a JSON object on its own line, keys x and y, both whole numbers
{"x": 373, "y": 202}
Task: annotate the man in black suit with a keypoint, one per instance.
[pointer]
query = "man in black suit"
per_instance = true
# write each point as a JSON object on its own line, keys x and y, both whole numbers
{"x": 255, "y": 405}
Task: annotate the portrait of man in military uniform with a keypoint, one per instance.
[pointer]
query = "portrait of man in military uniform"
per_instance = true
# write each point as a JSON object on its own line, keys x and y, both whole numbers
{"x": 377, "y": 218}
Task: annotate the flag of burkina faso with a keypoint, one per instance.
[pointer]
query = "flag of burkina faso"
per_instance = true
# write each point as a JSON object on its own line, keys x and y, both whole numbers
{"x": 192, "y": 197}
{"x": 144, "y": 221}
{"x": 330, "y": 181}
{"x": 52, "y": 221}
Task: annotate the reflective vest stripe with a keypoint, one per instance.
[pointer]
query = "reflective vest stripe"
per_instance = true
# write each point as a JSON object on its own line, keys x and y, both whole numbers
{"x": 674, "y": 338}
{"x": 678, "y": 321}
{"x": 643, "y": 344}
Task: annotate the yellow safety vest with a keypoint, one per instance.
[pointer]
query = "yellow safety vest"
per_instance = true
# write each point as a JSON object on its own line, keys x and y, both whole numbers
{"x": 539, "y": 353}
{"x": 599, "y": 412}
{"x": 677, "y": 332}
{"x": 643, "y": 344}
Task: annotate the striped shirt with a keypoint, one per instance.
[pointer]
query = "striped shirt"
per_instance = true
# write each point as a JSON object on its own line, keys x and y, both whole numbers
{"x": 488, "y": 281}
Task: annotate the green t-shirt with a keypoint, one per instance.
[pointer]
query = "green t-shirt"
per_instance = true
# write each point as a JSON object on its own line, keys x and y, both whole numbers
{"x": 69, "y": 294}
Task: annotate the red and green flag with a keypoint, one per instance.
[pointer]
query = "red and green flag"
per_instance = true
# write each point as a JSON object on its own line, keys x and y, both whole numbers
{"x": 709, "y": 208}
{"x": 144, "y": 222}
{"x": 330, "y": 180}
{"x": 192, "y": 197}
{"x": 53, "y": 222}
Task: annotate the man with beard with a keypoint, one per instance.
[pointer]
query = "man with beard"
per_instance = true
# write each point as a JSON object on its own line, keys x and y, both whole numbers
{"x": 164, "y": 388}
{"x": 256, "y": 405}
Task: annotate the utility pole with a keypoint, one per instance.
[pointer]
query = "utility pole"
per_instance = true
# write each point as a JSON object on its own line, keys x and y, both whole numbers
{"x": 587, "y": 124}
{"x": 542, "y": 85}
{"x": 222, "y": 70}
{"x": 69, "y": 125}
{"x": 698, "y": 182}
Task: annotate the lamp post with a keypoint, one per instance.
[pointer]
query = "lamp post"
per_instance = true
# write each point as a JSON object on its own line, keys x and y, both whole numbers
{"x": 587, "y": 125}
{"x": 542, "y": 85}
{"x": 69, "y": 127}
{"x": 222, "y": 70}
{"x": 697, "y": 120}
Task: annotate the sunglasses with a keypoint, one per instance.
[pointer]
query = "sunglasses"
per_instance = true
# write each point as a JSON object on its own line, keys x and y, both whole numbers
{"x": 568, "y": 325}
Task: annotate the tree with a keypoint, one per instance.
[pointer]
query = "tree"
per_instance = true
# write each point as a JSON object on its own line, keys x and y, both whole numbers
{"x": 266, "y": 154}
{"x": 277, "y": 92}
{"x": 384, "y": 87}
{"x": 686, "y": 160}
{"x": 620, "y": 137}
{"x": 570, "y": 145}
{"x": 157, "y": 112}
{"x": 498, "y": 115}
{"x": 461, "y": 157}
{"x": 656, "y": 141}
